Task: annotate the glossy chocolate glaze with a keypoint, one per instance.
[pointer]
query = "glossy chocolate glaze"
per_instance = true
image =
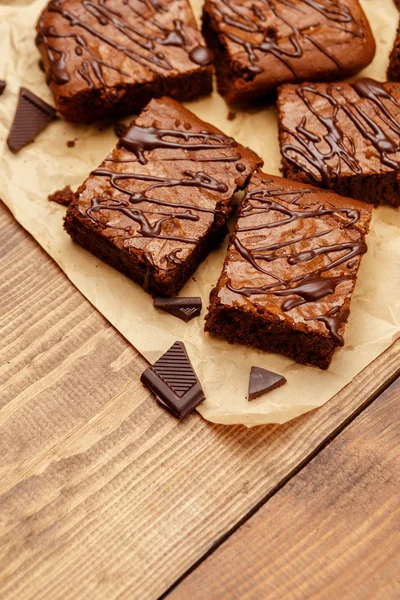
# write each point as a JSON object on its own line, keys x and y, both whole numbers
{"x": 296, "y": 252}
{"x": 139, "y": 139}
{"x": 334, "y": 129}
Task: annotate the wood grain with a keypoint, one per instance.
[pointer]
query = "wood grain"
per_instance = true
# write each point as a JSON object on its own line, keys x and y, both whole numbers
{"x": 103, "y": 494}
{"x": 332, "y": 532}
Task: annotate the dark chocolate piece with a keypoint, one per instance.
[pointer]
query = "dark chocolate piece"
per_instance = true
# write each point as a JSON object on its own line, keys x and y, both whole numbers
{"x": 31, "y": 117}
{"x": 183, "y": 308}
{"x": 159, "y": 203}
{"x": 290, "y": 270}
{"x": 263, "y": 381}
{"x": 260, "y": 44}
{"x": 109, "y": 58}
{"x": 343, "y": 136}
{"x": 3, "y": 86}
{"x": 63, "y": 197}
{"x": 174, "y": 382}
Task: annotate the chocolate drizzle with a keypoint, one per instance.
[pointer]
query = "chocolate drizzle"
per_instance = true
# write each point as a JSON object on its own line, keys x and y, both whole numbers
{"x": 333, "y": 319}
{"x": 201, "y": 55}
{"x": 260, "y": 20}
{"x": 322, "y": 155}
{"x": 139, "y": 139}
{"x": 93, "y": 22}
{"x": 316, "y": 283}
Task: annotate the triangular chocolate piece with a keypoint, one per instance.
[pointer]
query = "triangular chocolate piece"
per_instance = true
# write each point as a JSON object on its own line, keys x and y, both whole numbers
{"x": 263, "y": 381}
{"x": 173, "y": 381}
{"x": 183, "y": 308}
{"x": 3, "y": 85}
{"x": 32, "y": 115}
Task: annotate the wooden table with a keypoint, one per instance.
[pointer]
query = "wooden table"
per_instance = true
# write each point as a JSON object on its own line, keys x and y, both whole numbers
{"x": 106, "y": 496}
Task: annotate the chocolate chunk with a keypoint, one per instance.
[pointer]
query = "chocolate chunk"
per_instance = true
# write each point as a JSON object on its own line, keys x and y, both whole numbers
{"x": 263, "y": 381}
{"x": 173, "y": 381}
{"x": 32, "y": 115}
{"x": 64, "y": 196}
{"x": 183, "y": 308}
{"x": 3, "y": 85}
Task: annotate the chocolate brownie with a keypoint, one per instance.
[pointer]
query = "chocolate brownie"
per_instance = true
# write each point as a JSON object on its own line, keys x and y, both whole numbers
{"x": 260, "y": 44}
{"x": 106, "y": 59}
{"x": 159, "y": 202}
{"x": 290, "y": 270}
{"x": 343, "y": 136}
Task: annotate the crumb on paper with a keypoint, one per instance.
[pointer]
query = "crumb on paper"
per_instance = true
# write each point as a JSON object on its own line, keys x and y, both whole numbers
{"x": 63, "y": 197}
{"x": 119, "y": 129}
{"x": 231, "y": 115}
{"x": 71, "y": 143}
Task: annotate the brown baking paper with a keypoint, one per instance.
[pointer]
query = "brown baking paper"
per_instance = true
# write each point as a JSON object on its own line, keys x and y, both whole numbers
{"x": 48, "y": 164}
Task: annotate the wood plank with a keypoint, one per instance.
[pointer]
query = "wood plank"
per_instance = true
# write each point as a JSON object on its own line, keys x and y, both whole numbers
{"x": 103, "y": 494}
{"x": 332, "y": 532}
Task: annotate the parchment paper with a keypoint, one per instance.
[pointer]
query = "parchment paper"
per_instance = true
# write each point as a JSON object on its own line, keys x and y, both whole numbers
{"x": 47, "y": 165}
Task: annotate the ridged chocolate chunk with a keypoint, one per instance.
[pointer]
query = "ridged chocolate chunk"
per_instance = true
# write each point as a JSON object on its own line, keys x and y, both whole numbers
{"x": 174, "y": 382}
{"x": 3, "y": 86}
{"x": 183, "y": 308}
{"x": 263, "y": 381}
{"x": 31, "y": 117}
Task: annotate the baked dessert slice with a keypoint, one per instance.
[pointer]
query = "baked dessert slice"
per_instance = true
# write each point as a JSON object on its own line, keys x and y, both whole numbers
{"x": 259, "y": 45}
{"x": 343, "y": 136}
{"x": 106, "y": 59}
{"x": 158, "y": 204}
{"x": 290, "y": 270}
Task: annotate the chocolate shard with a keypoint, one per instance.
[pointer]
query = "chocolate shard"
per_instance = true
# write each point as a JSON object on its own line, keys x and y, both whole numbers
{"x": 31, "y": 117}
{"x": 183, "y": 308}
{"x": 3, "y": 85}
{"x": 174, "y": 382}
{"x": 263, "y": 381}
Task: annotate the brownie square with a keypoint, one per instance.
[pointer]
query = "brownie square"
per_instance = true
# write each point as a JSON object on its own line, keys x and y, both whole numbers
{"x": 259, "y": 45}
{"x": 159, "y": 202}
{"x": 106, "y": 59}
{"x": 343, "y": 136}
{"x": 290, "y": 270}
